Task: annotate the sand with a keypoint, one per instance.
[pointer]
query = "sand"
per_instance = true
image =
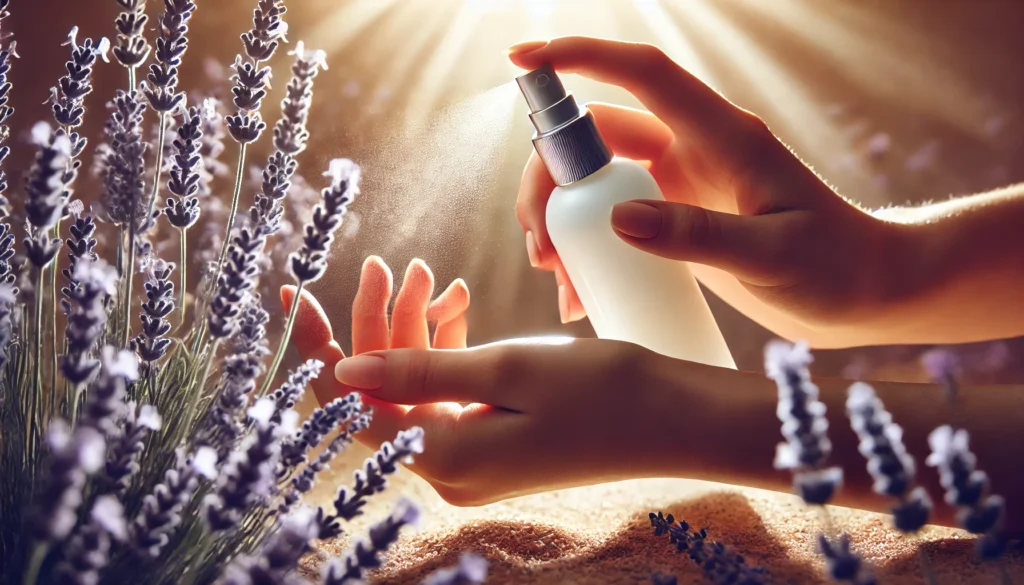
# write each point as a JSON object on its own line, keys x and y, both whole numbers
{"x": 601, "y": 534}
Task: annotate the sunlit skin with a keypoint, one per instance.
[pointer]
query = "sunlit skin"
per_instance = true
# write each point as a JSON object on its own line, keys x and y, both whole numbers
{"x": 787, "y": 250}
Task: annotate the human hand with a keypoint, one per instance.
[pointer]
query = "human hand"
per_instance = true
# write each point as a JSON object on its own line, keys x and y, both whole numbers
{"x": 763, "y": 231}
{"x": 540, "y": 414}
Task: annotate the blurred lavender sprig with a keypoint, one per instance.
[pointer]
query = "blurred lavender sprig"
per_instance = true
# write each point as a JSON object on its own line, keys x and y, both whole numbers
{"x": 844, "y": 565}
{"x": 124, "y": 450}
{"x": 720, "y": 563}
{"x": 131, "y": 49}
{"x": 365, "y": 554}
{"x": 967, "y": 488}
{"x": 152, "y": 344}
{"x": 893, "y": 469}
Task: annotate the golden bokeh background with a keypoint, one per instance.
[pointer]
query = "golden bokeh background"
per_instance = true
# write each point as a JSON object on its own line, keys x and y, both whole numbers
{"x": 893, "y": 101}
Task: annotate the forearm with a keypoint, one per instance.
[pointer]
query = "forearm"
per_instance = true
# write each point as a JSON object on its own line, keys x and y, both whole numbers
{"x": 732, "y": 432}
{"x": 955, "y": 274}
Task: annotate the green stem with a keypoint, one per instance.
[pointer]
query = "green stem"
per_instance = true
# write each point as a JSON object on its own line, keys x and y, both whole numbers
{"x": 131, "y": 79}
{"x": 159, "y": 164}
{"x": 33, "y": 417}
{"x": 209, "y": 362}
{"x": 234, "y": 208}
{"x": 53, "y": 329}
{"x": 126, "y": 305}
{"x": 285, "y": 338}
{"x": 35, "y": 563}
{"x": 183, "y": 269}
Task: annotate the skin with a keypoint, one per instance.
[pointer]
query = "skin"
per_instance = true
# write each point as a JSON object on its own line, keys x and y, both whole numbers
{"x": 764, "y": 233}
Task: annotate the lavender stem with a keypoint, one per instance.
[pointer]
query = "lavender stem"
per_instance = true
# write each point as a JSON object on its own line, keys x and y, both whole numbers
{"x": 279, "y": 355}
{"x": 34, "y": 419}
{"x": 159, "y": 164}
{"x": 53, "y": 316}
{"x": 35, "y": 563}
{"x": 184, "y": 272}
{"x": 234, "y": 206}
{"x": 132, "y": 82}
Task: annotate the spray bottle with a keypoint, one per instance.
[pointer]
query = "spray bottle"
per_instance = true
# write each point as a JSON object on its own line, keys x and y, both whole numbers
{"x": 629, "y": 295}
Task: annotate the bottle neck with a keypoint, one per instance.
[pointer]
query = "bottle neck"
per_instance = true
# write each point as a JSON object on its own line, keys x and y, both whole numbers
{"x": 574, "y": 150}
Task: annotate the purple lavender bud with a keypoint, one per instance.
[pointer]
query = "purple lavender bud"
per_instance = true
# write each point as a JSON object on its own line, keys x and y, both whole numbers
{"x": 212, "y": 146}
{"x": 304, "y": 480}
{"x": 73, "y": 457}
{"x": 252, "y": 333}
{"x": 125, "y": 165}
{"x": 5, "y": 114}
{"x": 472, "y": 569}
{"x": 309, "y": 263}
{"x": 289, "y": 393}
{"x": 161, "y": 510}
{"x": 236, "y": 282}
{"x": 8, "y": 298}
{"x": 720, "y": 564}
{"x": 267, "y": 31}
{"x": 279, "y": 555}
{"x": 804, "y": 425}
{"x": 161, "y": 91}
{"x": 365, "y": 555}
{"x": 967, "y": 488}
{"x": 660, "y": 578}
{"x": 125, "y": 449}
{"x": 291, "y": 132}
{"x": 105, "y": 404}
{"x": 44, "y": 193}
{"x": 881, "y": 442}
{"x": 81, "y": 246}
{"x": 131, "y": 49}
{"x": 152, "y": 344}
{"x": 87, "y": 553}
{"x": 6, "y": 251}
{"x": 844, "y": 566}
{"x": 319, "y": 425}
{"x": 183, "y": 210}
{"x": 249, "y": 479}
{"x": 95, "y": 282}
{"x": 69, "y": 95}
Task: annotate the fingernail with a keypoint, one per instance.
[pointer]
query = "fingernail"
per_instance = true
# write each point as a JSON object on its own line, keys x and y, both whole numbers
{"x": 531, "y": 250}
{"x": 563, "y": 303}
{"x": 524, "y": 48}
{"x": 365, "y": 372}
{"x": 638, "y": 220}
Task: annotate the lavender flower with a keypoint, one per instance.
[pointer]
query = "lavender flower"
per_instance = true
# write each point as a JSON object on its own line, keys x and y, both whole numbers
{"x": 251, "y": 80}
{"x": 309, "y": 263}
{"x": 303, "y": 481}
{"x": 124, "y": 168}
{"x": 8, "y": 298}
{"x": 365, "y": 554}
{"x": 88, "y": 550}
{"x": 844, "y": 566}
{"x": 161, "y": 510}
{"x": 69, "y": 96}
{"x": 471, "y": 569}
{"x": 211, "y": 146}
{"x": 152, "y": 343}
{"x": 289, "y": 393}
{"x": 81, "y": 245}
{"x": 721, "y": 565}
{"x": 132, "y": 49}
{"x": 183, "y": 211}
{"x": 280, "y": 555}
{"x": 7, "y": 275}
{"x": 372, "y": 479}
{"x": 123, "y": 454}
{"x": 804, "y": 425}
{"x": 105, "y": 403}
{"x": 967, "y": 488}
{"x": 44, "y": 193}
{"x": 73, "y": 457}
{"x": 881, "y": 442}
{"x": 318, "y": 425}
{"x": 161, "y": 91}
{"x": 87, "y": 318}
{"x": 236, "y": 281}
{"x": 5, "y": 114}
{"x": 249, "y": 479}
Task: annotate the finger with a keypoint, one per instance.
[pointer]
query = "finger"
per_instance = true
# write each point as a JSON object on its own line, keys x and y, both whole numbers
{"x": 665, "y": 88}
{"x": 632, "y": 133}
{"x": 570, "y": 307}
{"x": 409, "y": 317}
{"x": 417, "y": 376}
{"x": 535, "y": 189}
{"x": 449, "y": 312}
{"x": 370, "y": 308}
{"x": 316, "y": 341}
{"x": 741, "y": 245}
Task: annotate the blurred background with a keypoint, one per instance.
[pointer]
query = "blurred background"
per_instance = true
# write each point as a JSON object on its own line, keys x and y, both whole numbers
{"x": 893, "y": 101}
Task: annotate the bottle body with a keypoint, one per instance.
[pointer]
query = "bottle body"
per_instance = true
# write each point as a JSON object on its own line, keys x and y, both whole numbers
{"x": 630, "y": 295}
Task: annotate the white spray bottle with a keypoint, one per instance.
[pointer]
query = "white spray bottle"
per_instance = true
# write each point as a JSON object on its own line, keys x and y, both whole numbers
{"x": 629, "y": 295}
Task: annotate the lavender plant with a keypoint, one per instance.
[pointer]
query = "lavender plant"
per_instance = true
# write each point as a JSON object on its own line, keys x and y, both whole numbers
{"x": 152, "y": 456}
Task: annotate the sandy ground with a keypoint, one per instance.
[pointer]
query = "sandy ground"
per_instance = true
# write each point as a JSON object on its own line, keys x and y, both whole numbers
{"x": 601, "y": 534}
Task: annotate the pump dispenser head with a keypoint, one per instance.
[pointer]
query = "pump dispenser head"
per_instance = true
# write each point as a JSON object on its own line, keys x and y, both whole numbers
{"x": 567, "y": 139}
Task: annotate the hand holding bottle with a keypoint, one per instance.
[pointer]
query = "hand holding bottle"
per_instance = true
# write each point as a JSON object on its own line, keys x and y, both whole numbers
{"x": 762, "y": 230}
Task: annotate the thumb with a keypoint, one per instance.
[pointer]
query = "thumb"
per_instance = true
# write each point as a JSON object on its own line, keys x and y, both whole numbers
{"x": 740, "y": 245}
{"x": 315, "y": 341}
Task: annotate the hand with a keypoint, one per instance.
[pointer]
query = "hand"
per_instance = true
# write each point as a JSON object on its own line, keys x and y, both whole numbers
{"x": 763, "y": 231}
{"x": 541, "y": 414}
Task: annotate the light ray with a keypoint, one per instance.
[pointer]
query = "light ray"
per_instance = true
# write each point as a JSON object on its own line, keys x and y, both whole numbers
{"x": 671, "y": 39}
